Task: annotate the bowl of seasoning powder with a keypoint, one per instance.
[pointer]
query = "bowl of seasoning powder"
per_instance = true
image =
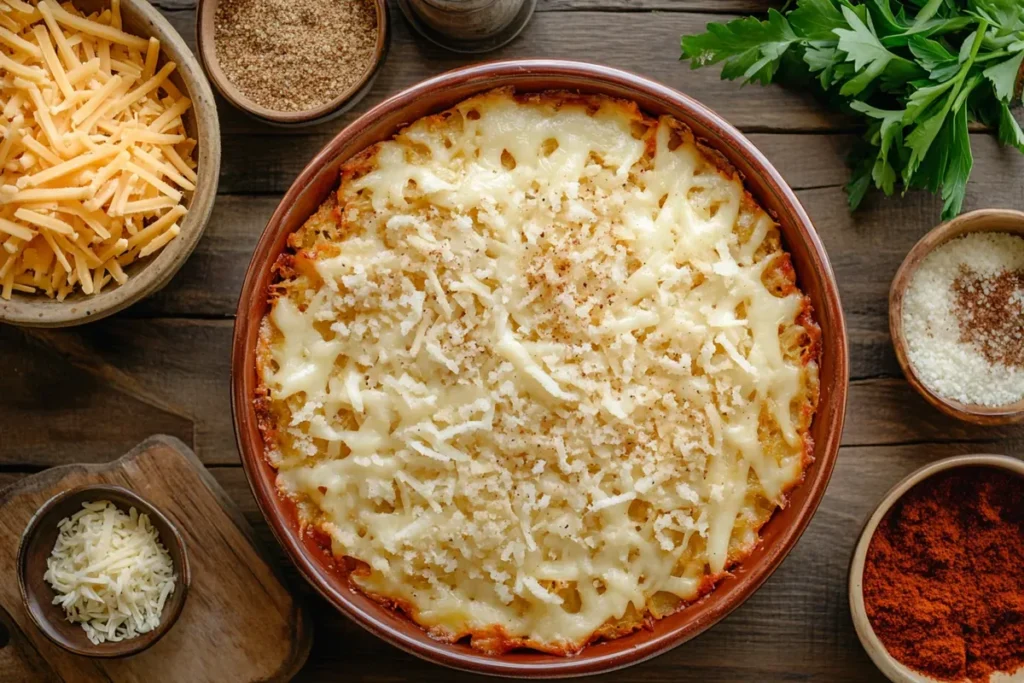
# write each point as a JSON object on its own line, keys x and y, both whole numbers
{"x": 293, "y": 62}
{"x": 937, "y": 578}
{"x": 956, "y": 316}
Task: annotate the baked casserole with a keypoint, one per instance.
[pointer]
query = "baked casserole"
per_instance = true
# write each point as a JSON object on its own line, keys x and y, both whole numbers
{"x": 538, "y": 372}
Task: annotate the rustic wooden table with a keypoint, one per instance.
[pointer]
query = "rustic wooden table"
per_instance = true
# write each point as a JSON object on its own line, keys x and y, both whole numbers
{"x": 88, "y": 394}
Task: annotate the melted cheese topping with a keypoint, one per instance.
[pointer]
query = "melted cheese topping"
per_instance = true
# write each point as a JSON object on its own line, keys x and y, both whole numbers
{"x": 542, "y": 370}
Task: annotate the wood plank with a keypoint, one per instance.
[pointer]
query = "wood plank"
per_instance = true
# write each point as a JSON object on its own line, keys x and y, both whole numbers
{"x": 796, "y": 627}
{"x": 731, "y": 6}
{"x": 268, "y": 164}
{"x": 644, "y": 42}
{"x": 716, "y": 6}
{"x": 179, "y": 367}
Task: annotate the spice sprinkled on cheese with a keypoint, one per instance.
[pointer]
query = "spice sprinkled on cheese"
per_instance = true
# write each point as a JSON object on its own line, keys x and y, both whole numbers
{"x": 110, "y": 571}
{"x": 963, "y": 319}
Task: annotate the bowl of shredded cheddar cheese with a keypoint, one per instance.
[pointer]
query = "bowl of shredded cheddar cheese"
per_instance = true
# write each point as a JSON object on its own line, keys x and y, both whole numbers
{"x": 109, "y": 159}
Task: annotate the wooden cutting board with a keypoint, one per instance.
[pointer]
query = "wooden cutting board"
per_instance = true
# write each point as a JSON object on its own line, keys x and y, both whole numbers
{"x": 239, "y": 623}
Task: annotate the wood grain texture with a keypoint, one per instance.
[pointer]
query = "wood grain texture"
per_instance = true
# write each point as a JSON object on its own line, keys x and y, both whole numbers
{"x": 730, "y": 6}
{"x": 87, "y": 395}
{"x": 235, "y": 594}
{"x": 716, "y": 6}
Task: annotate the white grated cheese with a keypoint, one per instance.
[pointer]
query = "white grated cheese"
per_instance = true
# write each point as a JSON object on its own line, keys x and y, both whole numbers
{"x": 946, "y": 362}
{"x": 110, "y": 571}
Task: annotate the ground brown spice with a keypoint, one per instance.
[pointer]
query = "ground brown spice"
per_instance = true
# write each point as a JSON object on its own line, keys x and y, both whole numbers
{"x": 295, "y": 55}
{"x": 990, "y": 311}
{"x": 944, "y": 575}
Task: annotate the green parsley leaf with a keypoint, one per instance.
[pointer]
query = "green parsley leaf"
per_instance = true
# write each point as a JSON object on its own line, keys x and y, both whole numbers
{"x": 933, "y": 57}
{"x": 887, "y": 132}
{"x": 920, "y": 140}
{"x": 860, "y": 183}
{"x": 958, "y": 168}
{"x": 922, "y": 98}
{"x": 863, "y": 48}
{"x": 816, "y": 19}
{"x": 753, "y": 47}
{"x": 1010, "y": 133}
{"x": 884, "y": 18}
{"x": 1004, "y": 76}
{"x": 1005, "y": 14}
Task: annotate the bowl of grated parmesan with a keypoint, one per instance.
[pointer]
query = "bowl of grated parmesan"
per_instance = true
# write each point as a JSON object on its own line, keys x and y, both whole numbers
{"x": 102, "y": 572}
{"x": 956, "y": 317}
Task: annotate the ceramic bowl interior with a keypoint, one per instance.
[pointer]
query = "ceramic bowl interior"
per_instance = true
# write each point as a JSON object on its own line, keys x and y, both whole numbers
{"x": 205, "y": 29}
{"x": 986, "y": 220}
{"x": 146, "y": 275}
{"x": 815, "y": 276}
{"x": 887, "y": 664}
{"x": 37, "y": 544}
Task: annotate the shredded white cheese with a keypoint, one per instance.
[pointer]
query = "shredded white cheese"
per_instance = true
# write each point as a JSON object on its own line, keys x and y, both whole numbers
{"x": 110, "y": 571}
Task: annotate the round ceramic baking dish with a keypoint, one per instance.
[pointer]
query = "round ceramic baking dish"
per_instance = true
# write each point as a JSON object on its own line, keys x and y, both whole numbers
{"x": 815, "y": 277}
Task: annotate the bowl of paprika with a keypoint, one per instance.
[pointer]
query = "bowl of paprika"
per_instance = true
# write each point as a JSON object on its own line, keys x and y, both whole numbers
{"x": 937, "y": 578}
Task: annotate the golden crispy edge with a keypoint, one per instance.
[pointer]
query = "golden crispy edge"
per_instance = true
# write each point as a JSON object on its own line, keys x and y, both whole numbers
{"x": 494, "y": 640}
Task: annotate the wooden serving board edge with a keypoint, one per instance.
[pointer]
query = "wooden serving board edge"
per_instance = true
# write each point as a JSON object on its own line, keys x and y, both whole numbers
{"x": 51, "y": 476}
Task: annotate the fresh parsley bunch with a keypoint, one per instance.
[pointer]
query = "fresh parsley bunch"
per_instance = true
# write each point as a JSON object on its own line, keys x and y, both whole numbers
{"x": 919, "y": 71}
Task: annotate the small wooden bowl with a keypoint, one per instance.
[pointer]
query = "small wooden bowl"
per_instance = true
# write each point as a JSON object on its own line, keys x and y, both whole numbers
{"x": 206, "y": 45}
{"x": 37, "y": 544}
{"x": 150, "y": 274}
{"x": 893, "y": 669}
{"x": 985, "y": 220}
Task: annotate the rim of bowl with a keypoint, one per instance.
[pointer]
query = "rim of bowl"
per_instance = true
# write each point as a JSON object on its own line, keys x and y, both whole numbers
{"x": 167, "y": 621}
{"x": 206, "y": 47}
{"x": 593, "y": 78}
{"x": 151, "y": 274}
{"x": 983, "y": 220}
{"x": 893, "y": 669}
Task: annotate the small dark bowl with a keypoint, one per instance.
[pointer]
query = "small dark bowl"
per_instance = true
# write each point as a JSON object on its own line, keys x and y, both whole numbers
{"x": 37, "y": 544}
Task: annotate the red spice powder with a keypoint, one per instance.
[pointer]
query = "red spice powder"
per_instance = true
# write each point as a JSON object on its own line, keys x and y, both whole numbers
{"x": 944, "y": 575}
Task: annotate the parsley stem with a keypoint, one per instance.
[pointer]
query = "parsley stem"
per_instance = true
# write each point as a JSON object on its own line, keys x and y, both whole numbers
{"x": 978, "y": 38}
{"x": 991, "y": 55}
{"x": 927, "y": 12}
{"x": 953, "y": 100}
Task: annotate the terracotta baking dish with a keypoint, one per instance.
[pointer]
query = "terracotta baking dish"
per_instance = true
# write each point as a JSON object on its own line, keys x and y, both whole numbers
{"x": 815, "y": 276}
